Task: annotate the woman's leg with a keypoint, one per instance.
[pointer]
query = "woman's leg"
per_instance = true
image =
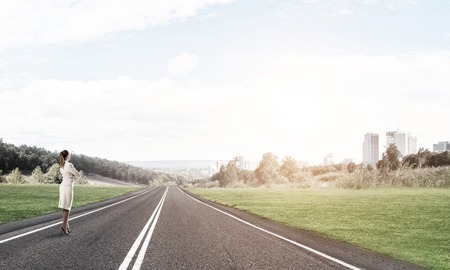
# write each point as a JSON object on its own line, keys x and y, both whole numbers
{"x": 65, "y": 223}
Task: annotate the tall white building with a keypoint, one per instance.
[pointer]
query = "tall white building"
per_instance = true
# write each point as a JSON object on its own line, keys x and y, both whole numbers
{"x": 412, "y": 145}
{"x": 371, "y": 148}
{"x": 241, "y": 164}
{"x": 405, "y": 143}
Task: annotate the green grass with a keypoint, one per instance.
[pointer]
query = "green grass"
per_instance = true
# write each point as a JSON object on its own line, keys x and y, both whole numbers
{"x": 408, "y": 224}
{"x": 25, "y": 201}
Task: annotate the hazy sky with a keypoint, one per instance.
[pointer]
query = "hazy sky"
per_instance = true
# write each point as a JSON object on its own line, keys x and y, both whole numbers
{"x": 213, "y": 79}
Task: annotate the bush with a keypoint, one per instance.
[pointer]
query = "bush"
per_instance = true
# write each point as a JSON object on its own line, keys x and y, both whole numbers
{"x": 37, "y": 175}
{"x": 15, "y": 177}
{"x": 53, "y": 176}
{"x": 329, "y": 177}
{"x": 316, "y": 170}
{"x": 403, "y": 177}
{"x": 205, "y": 183}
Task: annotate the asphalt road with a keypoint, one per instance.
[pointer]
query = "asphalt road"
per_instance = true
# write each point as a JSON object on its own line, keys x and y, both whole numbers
{"x": 165, "y": 228}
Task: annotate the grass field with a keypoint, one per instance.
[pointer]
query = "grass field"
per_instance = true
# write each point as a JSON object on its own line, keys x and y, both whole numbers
{"x": 24, "y": 201}
{"x": 409, "y": 224}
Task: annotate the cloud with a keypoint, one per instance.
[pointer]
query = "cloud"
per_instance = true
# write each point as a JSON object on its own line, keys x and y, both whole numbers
{"x": 122, "y": 118}
{"x": 398, "y": 4}
{"x": 328, "y": 102}
{"x": 182, "y": 64}
{"x": 304, "y": 106}
{"x": 31, "y": 23}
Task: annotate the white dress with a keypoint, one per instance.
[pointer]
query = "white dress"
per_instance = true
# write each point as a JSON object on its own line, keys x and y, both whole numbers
{"x": 69, "y": 174}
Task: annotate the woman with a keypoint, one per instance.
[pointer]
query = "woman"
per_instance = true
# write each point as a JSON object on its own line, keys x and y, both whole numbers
{"x": 69, "y": 174}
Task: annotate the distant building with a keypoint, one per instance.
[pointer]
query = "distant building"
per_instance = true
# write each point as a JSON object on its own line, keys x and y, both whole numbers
{"x": 328, "y": 160}
{"x": 212, "y": 170}
{"x": 441, "y": 147}
{"x": 241, "y": 164}
{"x": 371, "y": 149}
{"x": 412, "y": 145}
{"x": 405, "y": 143}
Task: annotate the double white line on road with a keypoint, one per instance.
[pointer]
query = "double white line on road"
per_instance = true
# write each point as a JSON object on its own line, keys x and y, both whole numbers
{"x": 82, "y": 215}
{"x": 280, "y": 237}
{"x": 137, "y": 243}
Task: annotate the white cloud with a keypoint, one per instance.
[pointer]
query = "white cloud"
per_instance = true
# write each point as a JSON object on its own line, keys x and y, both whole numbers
{"x": 182, "y": 64}
{"x": 398, "y": 4}
{"x": 30, "y": 23}
{"x": 304, "y": 106}
{"x": 123, "y": 119}
{"x": 326, "y": 103}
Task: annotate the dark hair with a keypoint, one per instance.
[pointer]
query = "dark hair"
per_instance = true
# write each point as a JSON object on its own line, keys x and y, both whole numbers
{"x": 62, "y": 157}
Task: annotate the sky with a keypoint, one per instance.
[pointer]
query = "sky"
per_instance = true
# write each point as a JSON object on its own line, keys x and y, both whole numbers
{"x": 214, "y": 79}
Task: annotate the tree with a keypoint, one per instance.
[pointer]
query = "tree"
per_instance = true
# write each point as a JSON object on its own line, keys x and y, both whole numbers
{"x": 53, "y": 176}
{"x": 268, "y": 169}
{"x": 2, "y": 179}
{"x": 15, "y": 177}
{"x": 248, "y": 177}
{"x": 351, "y": 167}
{"x": 422, "y": 156}
{"x": 228, "y": 174}
{"x": 438, "y": 159}
{"x": 37, "y": 175}
{"x": 289, "y": 168}
{"x": 390, "y": 160}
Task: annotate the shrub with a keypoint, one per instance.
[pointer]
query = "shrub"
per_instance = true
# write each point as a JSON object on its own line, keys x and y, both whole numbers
{"x": 316, "y": 170}
{"x": 15, "y": 177}
{"x": 403, "y": 177}
{"x": 329, "y": 177}
{"x": 37, "y": 175}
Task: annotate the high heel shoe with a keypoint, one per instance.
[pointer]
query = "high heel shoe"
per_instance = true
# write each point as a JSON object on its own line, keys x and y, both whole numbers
{"x": 63, "y": 231}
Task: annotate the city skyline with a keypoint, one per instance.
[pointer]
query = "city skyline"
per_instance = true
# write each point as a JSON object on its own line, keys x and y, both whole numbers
{"x": 215, "y": 79}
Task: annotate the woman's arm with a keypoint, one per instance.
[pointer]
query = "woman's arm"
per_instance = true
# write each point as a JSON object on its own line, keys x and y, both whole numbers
{"x": 73, "y": 171}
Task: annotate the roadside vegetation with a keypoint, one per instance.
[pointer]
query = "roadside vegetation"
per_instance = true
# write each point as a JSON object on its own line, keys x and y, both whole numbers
{"x": 406, "y": 223}
{"x": 424, "y": 169}
{"x": 15, "y": 162}
{"x": 25, "y": 201}
{"x": 400, "y": 207}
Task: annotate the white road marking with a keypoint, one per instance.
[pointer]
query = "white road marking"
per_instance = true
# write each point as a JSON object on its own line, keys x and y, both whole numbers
{"x": 59, "y": 222}
{"x": 140, "y": 258}
{"x": 279, "y": 236}
{"x": 137, "y": 242}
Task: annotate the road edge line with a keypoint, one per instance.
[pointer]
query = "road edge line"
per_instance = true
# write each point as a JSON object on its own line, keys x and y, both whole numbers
{"x": 59, "y": 222}
{"x": 277, "y": 235}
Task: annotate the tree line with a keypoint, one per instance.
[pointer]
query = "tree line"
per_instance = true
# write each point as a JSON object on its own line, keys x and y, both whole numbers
{"x": 32, "y": 159}
{"x": 271, "y": 171}
{"x": 268, "y": 171}
{"x": 392, "y": 159}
